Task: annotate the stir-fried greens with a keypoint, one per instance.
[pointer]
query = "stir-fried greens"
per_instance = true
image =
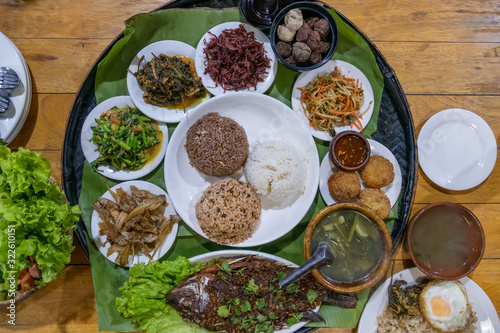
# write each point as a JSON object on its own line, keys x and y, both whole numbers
{"x": 404, "y": 299}
{"x": 170, "y": 81}
{"x": 124, "y": 137}
{"x": 332, "y": 99}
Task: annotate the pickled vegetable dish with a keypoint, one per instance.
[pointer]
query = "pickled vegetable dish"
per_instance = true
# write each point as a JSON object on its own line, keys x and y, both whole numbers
{"x": 125, "y": 138}
{"x": 355, "y": 242}
{"x": 333, "y": 99}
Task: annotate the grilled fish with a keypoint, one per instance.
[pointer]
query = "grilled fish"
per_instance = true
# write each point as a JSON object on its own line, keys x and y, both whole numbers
{"x": 244, "y": 296}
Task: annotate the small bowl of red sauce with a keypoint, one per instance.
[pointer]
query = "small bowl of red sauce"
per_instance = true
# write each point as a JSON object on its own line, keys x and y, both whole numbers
{"x": 445, "y": 240}
{"x": 349, "y": 150}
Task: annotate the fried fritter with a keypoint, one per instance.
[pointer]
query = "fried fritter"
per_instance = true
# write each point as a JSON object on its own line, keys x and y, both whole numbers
{"x": 375, "y": 199}
{"x": 344, "y": 186}
{"x": 378, "y": 172}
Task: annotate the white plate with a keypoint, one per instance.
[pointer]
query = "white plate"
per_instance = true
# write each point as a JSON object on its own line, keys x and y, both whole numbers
{"x": 167, "y": 47}
{"x": 457, "y": 149}
{"x": 140, "y": 257}
{"x": 13, "y": 120}
{"x": 392, "y": 190}
{"x": 263, "y": 118}
{"x": 259, "y": 36}
{"x": 90, "y": 149}
{"x": 347, "y": 70}
{"x": 208, "y": 257}
{"x": 487, "y": 316}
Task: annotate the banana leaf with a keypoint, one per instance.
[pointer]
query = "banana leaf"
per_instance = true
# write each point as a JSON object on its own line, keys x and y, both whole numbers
{"x": 189, "y": 25}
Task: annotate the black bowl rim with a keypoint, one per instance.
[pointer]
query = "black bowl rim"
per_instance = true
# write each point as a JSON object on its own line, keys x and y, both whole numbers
{"x": 321, "y": 10}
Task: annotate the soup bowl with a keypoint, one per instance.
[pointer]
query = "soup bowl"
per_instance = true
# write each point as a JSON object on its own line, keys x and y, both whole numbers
{"x": 445, "y": 240}
{"x": 361, "y": 244}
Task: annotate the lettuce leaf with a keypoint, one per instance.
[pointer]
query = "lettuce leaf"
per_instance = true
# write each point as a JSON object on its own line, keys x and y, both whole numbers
{"x": 143, "y": 296}
{"x": 33, "y": 220}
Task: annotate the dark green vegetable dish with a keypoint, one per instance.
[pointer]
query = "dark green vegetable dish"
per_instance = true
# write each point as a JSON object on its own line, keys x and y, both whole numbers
{"x": 125, "y": 138}
{"x": 170, "y": 81}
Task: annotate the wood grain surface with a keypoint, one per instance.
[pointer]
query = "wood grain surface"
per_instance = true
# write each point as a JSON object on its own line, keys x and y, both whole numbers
{"x": 446, "y": 54}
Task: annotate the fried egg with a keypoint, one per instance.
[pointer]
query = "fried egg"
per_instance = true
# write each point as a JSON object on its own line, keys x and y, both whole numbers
{"x": 445, "y": 305}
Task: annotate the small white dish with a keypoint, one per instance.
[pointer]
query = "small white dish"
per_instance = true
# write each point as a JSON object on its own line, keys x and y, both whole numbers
{"x": 13, "y": 120}
{"x": 227, "y": 254}
{"x": 90, "y": 149}
{"x": 457, "y": 149}
{"x": 263, "y": 118}
{"x": 392, "y": 191}
{"x": 167, "y": 47}
{"x": 486, "y": 313}
{"x": 349, "y": 71}
{"x": 200, "y": 58}
{"x": 100, "y": 241}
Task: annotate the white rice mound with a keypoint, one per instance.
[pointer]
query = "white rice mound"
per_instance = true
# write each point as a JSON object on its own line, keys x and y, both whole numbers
{"x": 276, "y": 171}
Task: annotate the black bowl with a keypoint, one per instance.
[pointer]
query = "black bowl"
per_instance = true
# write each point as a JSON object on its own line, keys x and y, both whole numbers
{"x": 309, "y": 9}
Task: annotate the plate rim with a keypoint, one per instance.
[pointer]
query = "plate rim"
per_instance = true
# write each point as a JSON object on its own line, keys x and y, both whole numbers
{"x": 327, "y": 67}
{"x": 106, "y": 171}
{"x": 178, "y": 138}
{"x": 199, "y": 59}
{"x": 484, "y": 132}
{"x": 167, "y": 242}
{"x": 158, "y": 113}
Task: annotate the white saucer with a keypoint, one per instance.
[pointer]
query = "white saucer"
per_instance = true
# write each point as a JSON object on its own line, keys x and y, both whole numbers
{"x": 392, "y": 190}
{"x": 457, "y": 149}
{"x": 101, "y": 241}
{"x": 167, "y": 47}
{"x": 13, "y": 120}
{"x": 349, "y": 71}
{"x": 217, "y": 30}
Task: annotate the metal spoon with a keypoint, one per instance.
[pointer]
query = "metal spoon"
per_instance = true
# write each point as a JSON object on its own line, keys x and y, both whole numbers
{"x": 9, "y": 80}
{"x": 322, "y": 255}
{"x": 4, "y": 101}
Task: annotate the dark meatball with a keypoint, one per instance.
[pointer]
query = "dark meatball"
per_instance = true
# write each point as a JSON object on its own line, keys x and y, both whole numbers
{"x": 303, "y": 33}
{"x": 310, "y": 21}
{"x": 284, "y": 49}
{"x": 291, "y": 60}
{"x": 301, "y": 52}
{"x": 322, "y": 27}
{"x": 324, "y": 47}
{"x": 315, "y": 57}
{"x": 313, "y": 41}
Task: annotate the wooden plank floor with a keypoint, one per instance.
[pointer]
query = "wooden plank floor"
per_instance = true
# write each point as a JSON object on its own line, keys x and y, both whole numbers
{"x": 445, "y": 54}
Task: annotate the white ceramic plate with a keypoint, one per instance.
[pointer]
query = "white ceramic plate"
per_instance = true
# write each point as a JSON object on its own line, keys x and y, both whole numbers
{"x": 207, "y": 257}
{"x": 13, "y": 120}
{"x": 347, "y": 70}
{"x": 259, "y": 36}
{"x": 457, "y": 149}
{"x": 263, "y": 118}
{"x": 488, "y": 321}
{"x": 392, "y": 190}
{"x": 140, "y": 257}
{"x": 167, "y": 47}
{"x": 90, "y": 149}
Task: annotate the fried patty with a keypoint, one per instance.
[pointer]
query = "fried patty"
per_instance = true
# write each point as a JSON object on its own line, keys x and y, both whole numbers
{"x": 378, "y": 172}
{"x": 344, "y": 186}
{"x": 375, "y": 199}
{"x": 216, "y": 146}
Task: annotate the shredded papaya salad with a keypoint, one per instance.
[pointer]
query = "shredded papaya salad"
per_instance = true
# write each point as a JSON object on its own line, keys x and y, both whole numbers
{"x": 332, "y": 99}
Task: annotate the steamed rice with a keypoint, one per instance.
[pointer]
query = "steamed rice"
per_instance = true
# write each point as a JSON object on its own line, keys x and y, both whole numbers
{"x": 276, "y": 171}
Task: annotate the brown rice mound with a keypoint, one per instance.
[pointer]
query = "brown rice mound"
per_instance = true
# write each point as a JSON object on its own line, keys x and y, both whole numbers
{"x": 229, "y": 211}
{"x": 216, "y": 146}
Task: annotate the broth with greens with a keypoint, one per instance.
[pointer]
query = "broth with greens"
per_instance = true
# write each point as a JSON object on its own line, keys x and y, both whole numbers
{"x": 355, "y": 242}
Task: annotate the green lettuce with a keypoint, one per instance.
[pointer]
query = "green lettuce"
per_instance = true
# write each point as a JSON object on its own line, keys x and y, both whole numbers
{"x": 33, "y": 220}
{"x": 143, "y": 296}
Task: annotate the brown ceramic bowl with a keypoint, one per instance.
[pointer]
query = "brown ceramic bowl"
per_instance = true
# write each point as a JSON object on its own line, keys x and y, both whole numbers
{"x": 445, "y": 240}
{"x": 377, "y": 273}
{"x": 349, "y": 150}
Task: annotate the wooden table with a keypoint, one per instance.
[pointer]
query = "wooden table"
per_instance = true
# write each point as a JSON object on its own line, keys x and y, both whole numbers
{"x": 446, "y": 54}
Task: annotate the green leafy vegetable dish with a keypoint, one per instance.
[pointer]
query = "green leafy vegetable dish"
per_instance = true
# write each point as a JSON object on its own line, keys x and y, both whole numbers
{"x": 125, "y": 139}
{"x": 35, "y": 224}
